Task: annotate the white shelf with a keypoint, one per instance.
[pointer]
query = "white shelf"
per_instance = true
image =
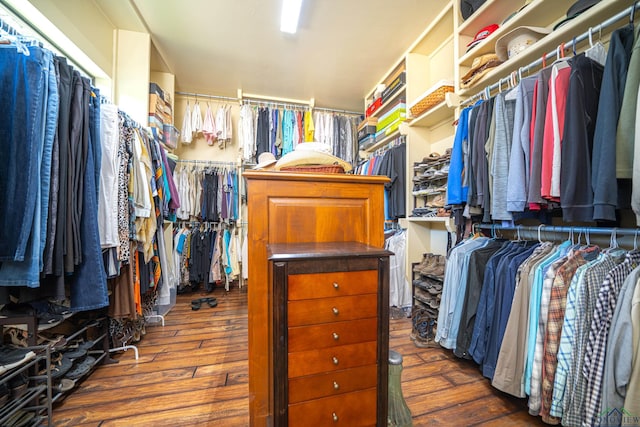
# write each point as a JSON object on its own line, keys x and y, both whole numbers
{"x": 434, "y": 116}
{"x": 428, "y": 219}
{"x": 539, "y": 13}
{"x": 590, "y": 18}
{"x": 382, "y": 142}
{"x": 436, "y": 34}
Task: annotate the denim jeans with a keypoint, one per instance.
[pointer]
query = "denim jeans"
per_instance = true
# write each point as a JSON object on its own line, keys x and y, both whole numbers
{"x": 35, "y": 186}
{"x": 23, "y": 93}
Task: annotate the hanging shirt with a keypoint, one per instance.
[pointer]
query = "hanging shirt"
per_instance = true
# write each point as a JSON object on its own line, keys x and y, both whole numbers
{"x": 196, "y": 119}
{"x": 287, "y": 132}
{"x": 209, "y": 126}
{"x": 577, "y": 144}
{"x": 309, "y": 128}
{"x": 559, "y": 89}
{"x": 247, "y": 132}
{"x": 554, "y": 127}
{"x": 538, "y": 115}
{"x": 519, "y": 161}
{"x": 186, "y": 136}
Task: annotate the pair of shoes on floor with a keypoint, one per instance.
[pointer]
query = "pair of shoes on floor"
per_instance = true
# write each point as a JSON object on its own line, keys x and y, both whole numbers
{"x": 424, "y": 325}
{"x": 197, "y": 303}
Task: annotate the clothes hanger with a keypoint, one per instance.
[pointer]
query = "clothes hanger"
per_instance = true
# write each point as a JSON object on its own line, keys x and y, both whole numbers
{"x": 597, "y": 51}
{"x": 540, "y": 233}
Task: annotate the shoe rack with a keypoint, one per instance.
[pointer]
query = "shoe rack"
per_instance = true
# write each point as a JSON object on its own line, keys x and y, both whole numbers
{"x": 26, "y": 390}
{"x": 427, "y": 283}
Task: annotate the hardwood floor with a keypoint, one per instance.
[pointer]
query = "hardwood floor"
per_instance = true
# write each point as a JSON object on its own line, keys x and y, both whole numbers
{"x": 193, "y": 372}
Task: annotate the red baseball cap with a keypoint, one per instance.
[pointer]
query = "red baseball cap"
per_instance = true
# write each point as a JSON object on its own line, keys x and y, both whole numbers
{"x": 483, "y": 34}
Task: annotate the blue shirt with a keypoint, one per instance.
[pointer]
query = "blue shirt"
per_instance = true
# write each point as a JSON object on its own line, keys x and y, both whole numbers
{"x": 450, "y": 342}
{"x": 485, "y": 304}
{"x": 456, "y": 191}
{"x": 534, "y": 309}
{"x": 506, "y": 273}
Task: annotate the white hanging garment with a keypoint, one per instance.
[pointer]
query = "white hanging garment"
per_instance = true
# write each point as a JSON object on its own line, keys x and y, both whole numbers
{"x": 186, "y": 136}
{"x": 196, "y": 119}
{"x": 247, "y": 133}
{"x": 222, "y": 126}
{"x": 209, "y": 126}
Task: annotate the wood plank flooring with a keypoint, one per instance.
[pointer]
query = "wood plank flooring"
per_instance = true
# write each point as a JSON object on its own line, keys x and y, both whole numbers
{"x": 194, "y": 372}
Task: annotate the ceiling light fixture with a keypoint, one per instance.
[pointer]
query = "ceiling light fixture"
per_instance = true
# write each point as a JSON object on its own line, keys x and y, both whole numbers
{"x": 290, "y": 16}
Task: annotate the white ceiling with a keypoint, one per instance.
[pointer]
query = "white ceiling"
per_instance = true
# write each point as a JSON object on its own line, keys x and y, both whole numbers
{"x": 341, "y": 50}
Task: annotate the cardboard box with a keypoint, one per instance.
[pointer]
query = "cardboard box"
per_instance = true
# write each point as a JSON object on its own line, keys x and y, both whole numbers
{"x": 374, "y": 106}
{"x": 391, "y": 116}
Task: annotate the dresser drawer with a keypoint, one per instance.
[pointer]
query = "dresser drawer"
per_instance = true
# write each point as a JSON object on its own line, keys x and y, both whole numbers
{"x": 312, "y": 312}
{"x": 325, "y": 285}
{"x": 331, "y": 359}
{"x": 332, "y": 334}
{"x": 339, "y": 382}
{"x": 349, "y": 410}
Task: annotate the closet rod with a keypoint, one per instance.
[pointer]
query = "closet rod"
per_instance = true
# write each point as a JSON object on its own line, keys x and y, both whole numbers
{"x": 274, "y": 99}
{"x": 571, "y": 43}
{"x": 207, "y": 162}
{"x": 561, "y": 229}
{"x": 201, "y": 95}
{"x": 333, "y": 110}
{"x": 283, "y": 102}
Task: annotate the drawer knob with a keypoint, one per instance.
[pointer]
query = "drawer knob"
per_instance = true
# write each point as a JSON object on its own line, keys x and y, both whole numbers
{"x": 336, "y": 336}
{"x": 335, "y": 360}
{"x": 336, "y": 386}
{"x": 336, "y": 285}
{"x": 336, "y": 311}
{"x": 335, "y": 417}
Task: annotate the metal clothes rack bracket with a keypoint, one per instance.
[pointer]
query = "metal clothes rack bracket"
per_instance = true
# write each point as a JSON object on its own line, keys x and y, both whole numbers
{"x": 629, "y": 12}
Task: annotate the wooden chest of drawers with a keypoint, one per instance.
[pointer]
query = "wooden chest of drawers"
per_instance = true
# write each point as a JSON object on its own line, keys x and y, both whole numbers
{"x": 330, "y": 334}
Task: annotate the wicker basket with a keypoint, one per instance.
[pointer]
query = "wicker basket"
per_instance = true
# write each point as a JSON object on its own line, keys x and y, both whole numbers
{"x": 314, "y": 169}
{"x": 431, "y": 98}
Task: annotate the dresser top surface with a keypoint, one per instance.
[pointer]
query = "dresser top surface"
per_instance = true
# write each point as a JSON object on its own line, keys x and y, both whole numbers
{"x": 314, "y": 177}
{"x": 306, "y": 251}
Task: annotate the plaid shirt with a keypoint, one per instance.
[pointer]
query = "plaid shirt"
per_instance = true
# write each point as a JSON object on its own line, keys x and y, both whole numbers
{"x": 567, "y": 340}
{"x": 555, "y": 319}
{"x": 575, "y": 391}
{"x": 535, "y": 398}
{"x": 597, "y": 344}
